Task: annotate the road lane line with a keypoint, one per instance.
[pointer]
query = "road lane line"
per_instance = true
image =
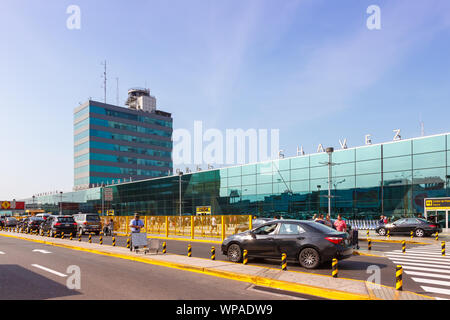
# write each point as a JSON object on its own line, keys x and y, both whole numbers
{"x": 436, "y": 290}
{"x": 419, "y": 260}
{"x": 426, "y": 269}
{"x": 425, "y": 274}
{"x": 431, "y": 281}
{"x": 41, "y": 251}
{"x": 49, "y": 270}
{"x": 425, "y": 253}
{"x": 421, "y": 264}
{"x": 406, "y": 256}
{"x": 1, "y": 252}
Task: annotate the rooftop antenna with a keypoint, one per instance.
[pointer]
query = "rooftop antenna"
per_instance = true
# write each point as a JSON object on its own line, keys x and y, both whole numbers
{"x": 104, "y": 79}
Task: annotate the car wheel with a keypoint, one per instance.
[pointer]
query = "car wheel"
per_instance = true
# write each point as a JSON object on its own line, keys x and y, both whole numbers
{"x": 309, "y": 258}
{"x": 382, "y": 231}
{"x": 419, "y": 233}
{"x": 234, "y": 253}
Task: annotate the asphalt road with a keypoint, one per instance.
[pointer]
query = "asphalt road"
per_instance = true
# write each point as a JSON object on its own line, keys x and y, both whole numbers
{"x": 30, "y": 270}
{"x": 355, "y": 267}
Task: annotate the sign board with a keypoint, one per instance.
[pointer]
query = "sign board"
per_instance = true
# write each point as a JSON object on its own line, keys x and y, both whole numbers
{"x": 110, "y": 212}
{"x": 437, "y": 204}
{"x": 108, "y": 194}
{"x": 12, "y": 205}
{"x": 200, "y": 210}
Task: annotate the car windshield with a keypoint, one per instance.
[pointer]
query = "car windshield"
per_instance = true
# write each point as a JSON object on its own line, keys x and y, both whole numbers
{"x": 322, "y": 228}
{"x": 92, "y": 218}
{"x": 66, "y": 219}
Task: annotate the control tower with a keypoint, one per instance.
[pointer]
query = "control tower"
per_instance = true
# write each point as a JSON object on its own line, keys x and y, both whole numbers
{"x": 140, "y": 99}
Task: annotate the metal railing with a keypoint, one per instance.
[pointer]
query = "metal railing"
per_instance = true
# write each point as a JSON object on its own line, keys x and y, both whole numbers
{"x": 216, "y": 227}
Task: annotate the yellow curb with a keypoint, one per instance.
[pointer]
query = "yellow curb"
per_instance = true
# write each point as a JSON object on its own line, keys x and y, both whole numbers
{"x": 395, "y": 241}
{"x": 257, "y": 280}
{"x": 357, "y": 253}
{"x": 179, "y": 239}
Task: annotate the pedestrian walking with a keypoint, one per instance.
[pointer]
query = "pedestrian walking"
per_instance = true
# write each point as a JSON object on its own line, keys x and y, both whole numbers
{"x": 135, "y": 225}
{"x": 340, "y": 224}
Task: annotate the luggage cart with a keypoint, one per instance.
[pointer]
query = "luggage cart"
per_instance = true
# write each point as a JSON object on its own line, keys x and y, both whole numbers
{"x": 140, "y": 243}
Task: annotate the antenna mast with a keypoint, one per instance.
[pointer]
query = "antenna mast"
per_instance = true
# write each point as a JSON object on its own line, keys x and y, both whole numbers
{"x": 104, "y": 79}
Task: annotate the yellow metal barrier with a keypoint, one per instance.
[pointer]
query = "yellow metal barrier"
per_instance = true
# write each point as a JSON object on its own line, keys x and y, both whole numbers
{"x": 215, "y": 227}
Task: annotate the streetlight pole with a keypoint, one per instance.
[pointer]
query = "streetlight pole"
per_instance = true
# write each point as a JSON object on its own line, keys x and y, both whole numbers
{"x": 180, "y": 174}
{"x": 60, "y": 204}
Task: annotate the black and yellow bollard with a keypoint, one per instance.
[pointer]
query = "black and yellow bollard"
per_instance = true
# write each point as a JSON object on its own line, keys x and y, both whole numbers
{"x": 79, "y": 237}
{"x": 213, "y": 253}
{"x": 367, "y": 233}
{"x": 90, "y": 238}
{"x": 399, "y": 278}
{"x": 164, "y": 247}
{"x": 113, "y": 241}
{"x": 389, "y": 234}
{"x": 71, "y": 236}
{"x": 62, "y": 235}
{"x": 412, "y": 234}
{"x": 283, "y": 262}
{"x": 189, "y": 250}
{"x": 369, "y": 244}
{"x": 437, "y": 236}
{"x": 101, "y": 238}
{"x": 334, "y": 268}
{"x": 128, "y": 243}
{"x": 403, "y": 246}
{"x": 245, "y": 258}
{"x": 443, "y": 248}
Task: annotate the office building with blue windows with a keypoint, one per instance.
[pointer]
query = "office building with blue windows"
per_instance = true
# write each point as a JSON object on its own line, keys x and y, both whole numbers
{"x": 113, "y": 144}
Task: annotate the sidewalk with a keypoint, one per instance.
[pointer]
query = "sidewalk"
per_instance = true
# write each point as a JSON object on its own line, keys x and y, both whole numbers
{"x": 301, "y": 282}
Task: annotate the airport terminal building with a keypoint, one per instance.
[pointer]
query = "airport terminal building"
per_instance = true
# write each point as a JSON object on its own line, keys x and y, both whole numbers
{"x": 390, "y": 178}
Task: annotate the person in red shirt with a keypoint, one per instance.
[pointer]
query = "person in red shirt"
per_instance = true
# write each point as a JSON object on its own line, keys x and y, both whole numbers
{"x": 340, "y": 224}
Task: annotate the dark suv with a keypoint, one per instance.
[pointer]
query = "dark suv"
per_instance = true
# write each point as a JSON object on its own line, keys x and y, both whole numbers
{"x": 31, "y": 224}
{"x": 58, "y": 224}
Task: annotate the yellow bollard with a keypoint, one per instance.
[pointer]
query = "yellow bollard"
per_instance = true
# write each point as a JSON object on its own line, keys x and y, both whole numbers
{"x": 369, "y": 244}
{"x": 389, "y": 234}
{"x": 334, "y": 268}
{"x": 90, "y": 238}
{"x": 443, "y": 248}
{"x": 189, "y": 250}
{"x": 437, "y": 236}
{"x": 283, "y": 262}
{"x": 213, "y": 253}
{"x": 114, "y": 241}
{"x": 128, "y": 243}
{"x": 71, "y": 236}
{"x": 164, "y": 247}
{"x": 245, "y": 259}
{"x": 399, "y": 278}
{"x": 412, "y": 233}
{"x": 403, "y": 246}
{"x": 101, "y": 238}
{"x": 79, "y": 237}
{"x": 62, "y": 235}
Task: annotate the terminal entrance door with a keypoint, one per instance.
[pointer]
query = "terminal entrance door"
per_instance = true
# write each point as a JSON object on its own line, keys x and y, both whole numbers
{"x": 438, "y": 209}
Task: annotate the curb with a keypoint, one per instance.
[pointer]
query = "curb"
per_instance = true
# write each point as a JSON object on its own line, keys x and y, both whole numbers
{"x": 358, "y": 253}
{"x": 395, "y": 241}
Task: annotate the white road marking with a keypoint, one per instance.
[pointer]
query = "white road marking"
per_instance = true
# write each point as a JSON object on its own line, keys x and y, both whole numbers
{"x": 425, "y": 253}
{"x": 421, "y": 264}
{"x": 422, "y": 261}
{"x": 414, "y": 258}
{"x": 1, "y": 252}
{"x": 41, "y": 251}
{"x": 431, "y": 281}
{"x": 436, "y": 290}
{"x": 425, "y": 269}
{"x": 49, "y": 270}
{"x": 427, "y": 274}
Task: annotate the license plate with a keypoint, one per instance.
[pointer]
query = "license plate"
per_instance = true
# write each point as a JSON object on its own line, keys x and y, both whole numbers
{"x": 67, "y": 225}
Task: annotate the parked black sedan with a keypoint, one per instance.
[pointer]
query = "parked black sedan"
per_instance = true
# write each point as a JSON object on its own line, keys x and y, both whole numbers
{"x": 32, "y": 224}
{"x": 307, "y": 242}
{"x": 55, "y": 225}
{"x": 420, "y": 227}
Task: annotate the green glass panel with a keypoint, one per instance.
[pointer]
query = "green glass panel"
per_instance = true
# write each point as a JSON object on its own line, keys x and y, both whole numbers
{"x": 429, "y": 144}
{"x": 395, "y": 149}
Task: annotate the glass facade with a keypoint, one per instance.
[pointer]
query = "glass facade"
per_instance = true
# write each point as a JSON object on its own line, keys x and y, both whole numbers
{"x": 113, "y": 143}
{"x": 391, "y": 179}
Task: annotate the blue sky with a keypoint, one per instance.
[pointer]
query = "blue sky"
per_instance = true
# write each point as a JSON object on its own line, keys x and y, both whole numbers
{"x": 310, "y": 68}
